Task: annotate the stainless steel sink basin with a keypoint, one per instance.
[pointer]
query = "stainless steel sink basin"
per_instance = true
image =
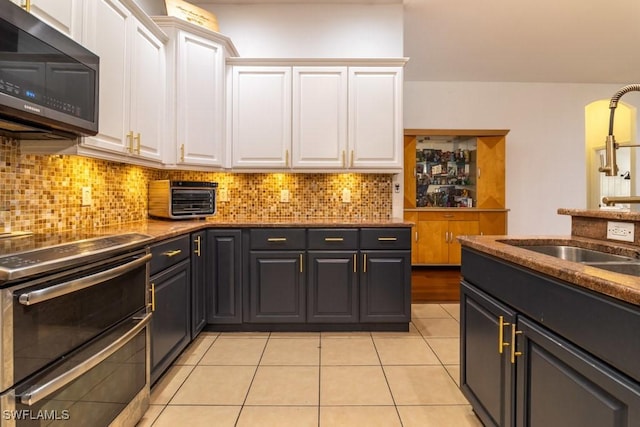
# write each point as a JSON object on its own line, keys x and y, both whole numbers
{"x": 631, "y": 267}
{"x": 576, "y": 254}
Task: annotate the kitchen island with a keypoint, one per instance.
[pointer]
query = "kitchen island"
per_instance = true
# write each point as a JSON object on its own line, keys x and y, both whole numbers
{"x": 548, "y": 341}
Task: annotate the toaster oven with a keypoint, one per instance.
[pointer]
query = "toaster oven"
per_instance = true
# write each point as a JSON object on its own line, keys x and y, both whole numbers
{"x": 182, "y": 199}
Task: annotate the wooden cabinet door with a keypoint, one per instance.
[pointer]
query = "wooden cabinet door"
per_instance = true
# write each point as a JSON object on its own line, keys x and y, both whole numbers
{"x": 261, "y": 117}
{"x": 107, "y": 35}
{"x": 432, "y": 242}
{"x": 319, "y": 138}
{"x": 493, "y": 223}
{"x": 490, "y": 185}
{"x": 63, "y": 15}
{"x": 148, "y": 89}
{"x": 332, "y": 287}
{"x": 224, "y": 277}
{"x": 486, "y": 372}
{"x": 460, "y": 228}
{"x": 413, "y": 217}
{"x": 170, "y": 323}
{"x": 199, "y": 106}
{"x": 385, "y": 286}
{"x": 277, "y": 287}
{"x": 375, "y": 118}
{"x": 559, "y": 384}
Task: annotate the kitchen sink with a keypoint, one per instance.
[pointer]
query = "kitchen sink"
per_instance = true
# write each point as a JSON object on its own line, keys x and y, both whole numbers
{"x": 630, "y": 267}
{"x": 576, "y": 254}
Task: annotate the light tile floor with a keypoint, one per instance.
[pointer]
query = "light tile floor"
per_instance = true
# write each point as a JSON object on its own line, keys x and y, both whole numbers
{"x": 319, "y": 379}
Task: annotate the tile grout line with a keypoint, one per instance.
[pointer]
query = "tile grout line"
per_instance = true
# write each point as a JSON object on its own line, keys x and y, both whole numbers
{"x": 384, "y": 373}
{"x": 255, "y": 372}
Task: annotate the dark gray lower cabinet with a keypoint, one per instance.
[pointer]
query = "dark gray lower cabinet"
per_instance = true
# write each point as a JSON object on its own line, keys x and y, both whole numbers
{"x": 198, "y": 282}
{"x": 528, "y": 346}
{"x": 384, "y": 296}
{"x": 277, "y": 287}
{"x": 170, "y": 322}
{"x": 332, "y": 287}
{"x": 224, "y": 278}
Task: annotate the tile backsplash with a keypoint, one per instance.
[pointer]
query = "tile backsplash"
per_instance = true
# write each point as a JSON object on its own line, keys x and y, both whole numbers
{"x": 44, "y": 193}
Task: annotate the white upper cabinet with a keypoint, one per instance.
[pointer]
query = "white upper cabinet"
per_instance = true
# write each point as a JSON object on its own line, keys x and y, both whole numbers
{"x": 319, "y": 117}
{"x": 375, "y": 117}
{"x": 132, "y": 80}
{"x": 196, "y": 94}
{"x": 261, "y": 117}
{"x": 63, "y": 15}
{"x": 323, "y": 115}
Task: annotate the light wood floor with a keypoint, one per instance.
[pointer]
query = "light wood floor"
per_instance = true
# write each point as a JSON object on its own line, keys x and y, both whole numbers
{"x": 435, "y": 284}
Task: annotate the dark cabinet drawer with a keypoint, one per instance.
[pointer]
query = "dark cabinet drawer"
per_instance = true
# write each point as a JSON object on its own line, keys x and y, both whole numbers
{"x": 278, "y": 238}
{"x": 333, "y": 238}
{"x": 169, "y": 252}
{"x": 385, "y": 238}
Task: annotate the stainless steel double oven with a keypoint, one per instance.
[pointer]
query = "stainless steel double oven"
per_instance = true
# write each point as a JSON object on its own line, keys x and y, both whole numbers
{"x": 74, "y": 332}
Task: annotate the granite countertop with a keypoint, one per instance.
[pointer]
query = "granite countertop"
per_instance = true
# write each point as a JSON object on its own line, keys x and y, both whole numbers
{"x": 620, "y": 286}
{"x": 163, "y": 229}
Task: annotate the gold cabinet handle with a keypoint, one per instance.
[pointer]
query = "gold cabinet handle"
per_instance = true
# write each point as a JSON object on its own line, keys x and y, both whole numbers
{"x": 355, "y": 262}
{"x": 501, "y": 342}
{"x": 286, "y": 158}
{"x": 334, "y": 239}
{"x": 364, "y": 263}
{"x": 197, "y": 250}
{"x": 343, "y": 158}
{"x": 301, "y": 263}
{"x": 514, "y": 353}
{"x": 153, "y": 297}
{"x": 26, "y": 5}
{"x": 416, "y": 236}
{"x": 351, "y": 163}
{"x": 181, "y": 153}
{"x": 130, "y": 141}
{"x": 137, "y": 145}
{"x": 447, "y": 216}
{"x": 387, "y": 239}
{"x": 277, "y": 239}
{"x": 172, "y": 253}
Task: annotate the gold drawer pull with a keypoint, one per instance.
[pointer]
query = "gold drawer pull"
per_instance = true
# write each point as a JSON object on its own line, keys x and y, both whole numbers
{"x": 333, "y": 239}
{"x": 448, "y": 216}
{"x": 197, "y": 250}
{"x": 501, "y": 343}
{"x": 387, "y": 239}
{"x": 172, "y": 253}
{"x": 514, "y": 353}
{"x": 153, "y": 297}
{"x": 277, "y": 239}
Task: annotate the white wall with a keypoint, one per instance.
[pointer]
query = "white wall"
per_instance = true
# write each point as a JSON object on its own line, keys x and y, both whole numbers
{"x": 312, "y": 30}
{"x": 545, "y": 145}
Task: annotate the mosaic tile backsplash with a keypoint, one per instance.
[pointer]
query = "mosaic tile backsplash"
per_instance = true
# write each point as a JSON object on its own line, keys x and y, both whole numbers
{"x": 44, "y": 193}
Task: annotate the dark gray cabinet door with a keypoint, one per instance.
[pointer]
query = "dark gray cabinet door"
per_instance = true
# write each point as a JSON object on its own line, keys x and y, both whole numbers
{"x": 385, "y": 286}
{"x": 171, "y": 319}
{"x": 332, "y": 287}
{"x": 198, "y": 282}
{"x": 560, "y": 385}
{"x": 486, "y": 371}
{"x": 277, "y": 287}
{"x": 224, "y": 278}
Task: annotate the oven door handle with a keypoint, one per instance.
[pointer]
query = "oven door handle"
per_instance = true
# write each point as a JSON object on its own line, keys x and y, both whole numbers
{"x": 38, "y": 392}
{"x": 65, "y": 288}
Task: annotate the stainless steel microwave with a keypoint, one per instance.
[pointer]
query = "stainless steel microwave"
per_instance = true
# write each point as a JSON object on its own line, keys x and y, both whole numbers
{"x": 182, "y": 199}
{"x": 48, "y": 82}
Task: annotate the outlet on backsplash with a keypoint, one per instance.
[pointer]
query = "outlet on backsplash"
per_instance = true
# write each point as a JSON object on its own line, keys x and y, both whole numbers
{"x": 623, "y": 231}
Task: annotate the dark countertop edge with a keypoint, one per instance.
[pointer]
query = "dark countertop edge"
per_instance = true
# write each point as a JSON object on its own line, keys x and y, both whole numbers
{"x": 605, "y": 214}
{"x": 164, "y": 229}
{"x": 456, "y": 210}
{"x": 619, "y": 286}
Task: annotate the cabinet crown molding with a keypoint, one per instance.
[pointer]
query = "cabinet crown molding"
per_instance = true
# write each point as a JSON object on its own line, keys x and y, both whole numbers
{"x": 355, "y": 62}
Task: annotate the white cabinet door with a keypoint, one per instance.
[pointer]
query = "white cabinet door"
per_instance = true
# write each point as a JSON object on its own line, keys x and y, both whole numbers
{"x": 319, "y": 117}
{"x": 261, "y": 117}
{"x": 63, "y": 15}
{"x": 375, "y": 117}
{"x": 106, "y": 34}
{"x": 200, "y": 101}
{"x": 148, "y": 88}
